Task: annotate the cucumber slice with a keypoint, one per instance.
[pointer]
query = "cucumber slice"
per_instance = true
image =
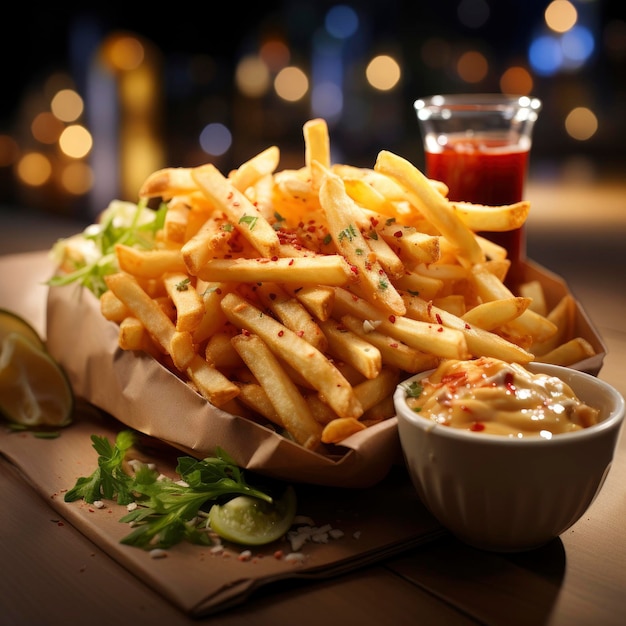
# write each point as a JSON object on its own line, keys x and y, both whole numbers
{"x": 252, "y": 522}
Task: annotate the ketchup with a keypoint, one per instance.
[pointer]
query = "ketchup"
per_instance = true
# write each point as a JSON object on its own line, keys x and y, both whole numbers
{"x": 484, "y": 171}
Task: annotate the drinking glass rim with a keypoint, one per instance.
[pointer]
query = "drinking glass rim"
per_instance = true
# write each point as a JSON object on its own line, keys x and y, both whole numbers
{"x": 477, "y": 102}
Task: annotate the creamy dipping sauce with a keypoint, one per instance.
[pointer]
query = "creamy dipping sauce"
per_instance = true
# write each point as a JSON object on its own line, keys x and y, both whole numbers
{"x": 491, "y": 396}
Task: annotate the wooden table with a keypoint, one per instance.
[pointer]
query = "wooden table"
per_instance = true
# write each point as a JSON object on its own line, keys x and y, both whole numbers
{"x": 51, "y": 577}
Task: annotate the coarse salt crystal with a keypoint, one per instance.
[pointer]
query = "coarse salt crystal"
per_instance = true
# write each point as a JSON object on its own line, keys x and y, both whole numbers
{"x": 158, "y": 553}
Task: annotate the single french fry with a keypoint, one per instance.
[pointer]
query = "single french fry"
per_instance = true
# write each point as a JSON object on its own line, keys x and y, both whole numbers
{"x": 490, "y": 315}
{"x": 176, "y": 222}
{"x": 148, "y": 263}
{"x": 188, "y": 304}
{"x": 287, "y": 400}
{"x": 568, "y": 353}
{"x": 168, "y": 182}
{"x": 316, "y": 148}
{"x": 250, "y": 172}
{"x": 430, "y": 203}
{"x": 340, "y": 212}
{"x": 210, "y": 382}
{"x": 239, "y": 210}
{"x": 327, "y": 270}
{"x": 297, "y": 352}
{"x": 340, "y": 429}
{"x": 414, "y": 247}
{"x": 479, "y": 217}
{"x": 112, "y": 308}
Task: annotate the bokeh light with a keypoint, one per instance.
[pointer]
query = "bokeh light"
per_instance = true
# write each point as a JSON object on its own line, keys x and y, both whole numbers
{"x": 46, "y": 128}
{"x": 215, "y": 139}
{"x": 67, "y": 105}
{"x": 383, "y": 72}
{"x": 517, "y": 80}
{"x": 472, "y": 66}
{"x": 341, "y": 21}
{"x": 34, "y": 169}
{"x": 75, "y": 141}
{"x": 291, "y": 84}
{"x": 581, "y": 123}
{"x": 123, "y": 52}
{"x": 77, "y": 178}
{"x": 560, "y": 15}
{"x": 252, "y": 76}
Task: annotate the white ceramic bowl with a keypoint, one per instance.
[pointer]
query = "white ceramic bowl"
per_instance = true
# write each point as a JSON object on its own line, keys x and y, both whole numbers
{"x": 502, "y": 494}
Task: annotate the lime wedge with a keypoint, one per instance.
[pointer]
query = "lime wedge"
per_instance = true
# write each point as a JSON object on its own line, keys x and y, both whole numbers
{"x": 34, "y": 390}
{"x": 252, "y": 522}
{"x": 12, "y": 323}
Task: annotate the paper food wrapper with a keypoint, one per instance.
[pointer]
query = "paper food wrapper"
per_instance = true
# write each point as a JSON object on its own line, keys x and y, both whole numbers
{"x": 146, "y": 396}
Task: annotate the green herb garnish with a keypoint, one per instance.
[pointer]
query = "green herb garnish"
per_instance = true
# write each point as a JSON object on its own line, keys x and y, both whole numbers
{"x": 94, "y": 248}
{"x": 168, "y": 511}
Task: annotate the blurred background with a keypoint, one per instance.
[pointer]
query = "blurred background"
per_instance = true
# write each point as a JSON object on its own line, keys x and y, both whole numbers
{"x": 94, "y": 98}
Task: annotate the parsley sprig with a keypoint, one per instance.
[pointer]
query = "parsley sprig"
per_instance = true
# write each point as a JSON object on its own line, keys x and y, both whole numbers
{"x": 168, "y": 511}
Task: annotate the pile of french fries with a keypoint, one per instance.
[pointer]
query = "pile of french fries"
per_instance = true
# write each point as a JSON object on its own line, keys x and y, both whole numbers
{"x": 300, "y": 298}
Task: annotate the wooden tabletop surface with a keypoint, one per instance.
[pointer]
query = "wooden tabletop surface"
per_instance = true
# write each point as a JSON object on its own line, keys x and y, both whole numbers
{"x": 62, "y": 577}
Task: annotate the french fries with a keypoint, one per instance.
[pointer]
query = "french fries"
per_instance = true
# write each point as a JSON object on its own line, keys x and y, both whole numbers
{"x": 302, "y": 297}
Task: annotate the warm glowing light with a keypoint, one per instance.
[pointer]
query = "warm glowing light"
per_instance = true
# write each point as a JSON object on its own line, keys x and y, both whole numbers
{"x": 77, "y": 178}
{"x": 9, "y": 151}
{"x": 34, "y": 169}
{"x": 516, "y": 80}
{"x": 124, "y": 52}
{"x": 383, "y": 72}
{"x": 67, "y": 105}
{"x": 581, "y": 123}
{"x": 472, "y": 67}
{"x": 291, "y": 84}
{"x": 46, "y": 128}
{"x": 275, "y": 54}
{"x": 75, "y": 141}
{"x": 252, "y": 77}
{"x": 560, "y": 15}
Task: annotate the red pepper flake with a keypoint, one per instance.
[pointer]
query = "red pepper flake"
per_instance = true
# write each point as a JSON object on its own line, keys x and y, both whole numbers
{"x": 477, "y": 426}
{"x": 274, "y": 258}
{"x": 354, "y": 269}
{"x": 245, "y": 332}
{"x": 392, "y": 319}
{"x": 374, "y": 221}
{"x": 291, "y": 262}
{"x": 230, "y": 195}
{"x": 438, "y": 318}
{"x": 429, "y": 308}
{"x": 508, "y": 382}
{"x": 235, "y": 203}
{"x": 279, "y": 554}
{"x": 398, "y": 234}
{"x": 300, "y": 333}
{"x": 467, "y": 326}
{"x": 281, "y": 333}
{"x": 393, "y": 345}
{"x": 440, "y": 329}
